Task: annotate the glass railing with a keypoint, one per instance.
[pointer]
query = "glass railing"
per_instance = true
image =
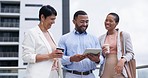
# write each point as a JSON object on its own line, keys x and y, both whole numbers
{"x": 142, "y": 71}
{"x": 9, "y": 39}
{"x": 9, "y": 24}
{"x": 10, "y": 10}
{"x": 12, "y": 72}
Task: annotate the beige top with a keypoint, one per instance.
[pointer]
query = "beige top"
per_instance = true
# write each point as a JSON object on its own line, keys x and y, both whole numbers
{"x": 50, "y": 40}
{"x": 112, "y": 41}
{"x": 53, "y": 46}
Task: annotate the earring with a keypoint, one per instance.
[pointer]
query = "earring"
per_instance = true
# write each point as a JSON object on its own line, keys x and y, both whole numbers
{"x": 41, "y": 23}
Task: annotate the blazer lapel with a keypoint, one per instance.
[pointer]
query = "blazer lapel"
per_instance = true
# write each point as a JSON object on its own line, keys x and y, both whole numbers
{"x": 103, "y": 39}
{"x": 52, "y": 37}
{"x": 60, "y": 71}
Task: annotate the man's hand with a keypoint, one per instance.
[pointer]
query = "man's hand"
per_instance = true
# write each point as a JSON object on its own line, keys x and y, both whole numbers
{"x": 77, "y": 58}
{"x": 93, "y": 57}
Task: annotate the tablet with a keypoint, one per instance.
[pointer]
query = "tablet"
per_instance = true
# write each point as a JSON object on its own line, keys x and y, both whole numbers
{"x": 92, "y": 50}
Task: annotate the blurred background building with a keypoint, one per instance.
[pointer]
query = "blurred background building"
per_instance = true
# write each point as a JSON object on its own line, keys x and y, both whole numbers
{"x": 17, "y": 16}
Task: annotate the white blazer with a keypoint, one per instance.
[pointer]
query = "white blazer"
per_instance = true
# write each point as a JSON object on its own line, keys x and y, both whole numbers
{"x": 35, "y": 43}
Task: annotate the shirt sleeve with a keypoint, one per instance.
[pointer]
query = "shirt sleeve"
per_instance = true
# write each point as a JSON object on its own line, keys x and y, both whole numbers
{"x": 65, "y": 59}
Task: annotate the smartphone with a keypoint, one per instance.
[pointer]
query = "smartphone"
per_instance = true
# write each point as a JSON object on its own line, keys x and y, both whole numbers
{"x": 60, "y": 49}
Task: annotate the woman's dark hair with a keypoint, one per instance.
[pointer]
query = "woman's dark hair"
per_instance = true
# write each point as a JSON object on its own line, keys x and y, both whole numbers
{"x": 80, "y": 12}
{"x": 47, "y": 10}
{"x": 116, "y": 17}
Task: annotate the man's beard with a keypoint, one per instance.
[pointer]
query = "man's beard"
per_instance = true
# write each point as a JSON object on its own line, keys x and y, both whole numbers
{"x": 80, "y": 29}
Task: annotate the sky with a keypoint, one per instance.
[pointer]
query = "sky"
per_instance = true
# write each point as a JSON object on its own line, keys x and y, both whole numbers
{"x": 133, "y": 19}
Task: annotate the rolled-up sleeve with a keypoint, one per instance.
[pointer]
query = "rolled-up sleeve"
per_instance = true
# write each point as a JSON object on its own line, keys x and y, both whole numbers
{"x": 66, "y": 60}
{"x": 28, "y": 46}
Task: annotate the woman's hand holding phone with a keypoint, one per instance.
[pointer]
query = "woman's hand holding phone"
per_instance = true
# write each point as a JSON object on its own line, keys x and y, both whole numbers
{"x": 56, "y": 54}
{"x": 59, "y": 52}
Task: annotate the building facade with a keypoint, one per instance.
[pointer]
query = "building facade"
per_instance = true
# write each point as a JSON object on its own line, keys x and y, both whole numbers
{"x": 16, "y": 17}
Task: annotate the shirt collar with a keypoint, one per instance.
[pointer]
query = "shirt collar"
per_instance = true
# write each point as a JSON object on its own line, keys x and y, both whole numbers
{"x": 76, "y": 32}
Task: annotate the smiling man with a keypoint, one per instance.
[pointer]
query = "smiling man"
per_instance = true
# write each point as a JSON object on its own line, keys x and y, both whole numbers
{"x": 77, "y": 64}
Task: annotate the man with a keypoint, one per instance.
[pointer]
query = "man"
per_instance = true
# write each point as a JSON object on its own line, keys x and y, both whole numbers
{"x": 77, "y": 64}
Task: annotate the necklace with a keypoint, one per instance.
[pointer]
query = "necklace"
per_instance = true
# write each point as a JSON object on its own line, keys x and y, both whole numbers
{"x": 110, "y": 39}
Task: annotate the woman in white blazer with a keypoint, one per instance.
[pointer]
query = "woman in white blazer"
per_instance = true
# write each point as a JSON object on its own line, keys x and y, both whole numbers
{"x": 39, "y": 48}
{"x": 113, "y": 66}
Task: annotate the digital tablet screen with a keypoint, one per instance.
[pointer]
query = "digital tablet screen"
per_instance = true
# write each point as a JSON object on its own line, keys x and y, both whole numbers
{"x": 92, "y": 50}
